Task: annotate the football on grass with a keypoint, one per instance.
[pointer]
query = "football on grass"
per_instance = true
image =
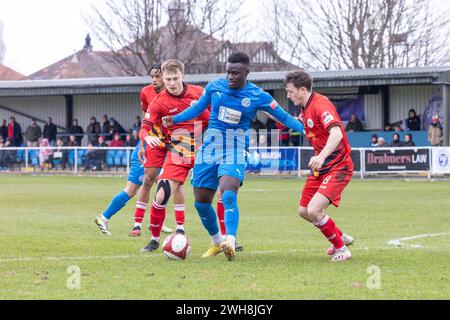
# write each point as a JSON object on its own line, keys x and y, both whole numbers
{"x": 176, "y": 247}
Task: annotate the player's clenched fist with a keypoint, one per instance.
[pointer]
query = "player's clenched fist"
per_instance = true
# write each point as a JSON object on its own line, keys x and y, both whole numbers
{"x": 167, "y": 121}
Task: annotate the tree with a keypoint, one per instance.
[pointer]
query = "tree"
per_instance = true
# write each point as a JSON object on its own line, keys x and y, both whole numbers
{"x": 341, "y": 34}
{"x": 140, "y": 33}
{"x": 2, "y": 44}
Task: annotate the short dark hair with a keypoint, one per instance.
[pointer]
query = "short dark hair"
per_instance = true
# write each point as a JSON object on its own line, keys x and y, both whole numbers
{"x": 156, "y": 67}
{"x": 239, "y": 57}
{"x": 299, "y": 78}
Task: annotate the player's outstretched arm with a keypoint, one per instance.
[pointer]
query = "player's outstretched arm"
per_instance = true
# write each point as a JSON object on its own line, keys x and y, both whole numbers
{"x": 284, "y": 117}
{"x": 195, "y": 110}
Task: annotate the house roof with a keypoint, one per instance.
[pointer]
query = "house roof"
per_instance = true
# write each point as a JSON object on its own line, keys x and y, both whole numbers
{"x": 82, "y": 64}
{"x": 267, "y": 80}
{"x": 9, "y": 74}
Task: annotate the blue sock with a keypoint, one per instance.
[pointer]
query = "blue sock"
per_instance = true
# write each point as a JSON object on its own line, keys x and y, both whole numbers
{"x": 208, "y": 217}
{"x": 117, "y": 203}
{"x": 229, "y": 199}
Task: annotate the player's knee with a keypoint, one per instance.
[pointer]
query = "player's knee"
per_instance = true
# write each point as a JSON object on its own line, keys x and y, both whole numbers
{"x": 314, "y": 211}
{"x": 163, "y": 193}
{"x": 149, "y": 180}
{"x": 303, "y": 213}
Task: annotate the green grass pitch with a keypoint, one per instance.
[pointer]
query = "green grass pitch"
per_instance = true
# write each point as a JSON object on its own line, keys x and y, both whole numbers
{"x": 46, "y": 227}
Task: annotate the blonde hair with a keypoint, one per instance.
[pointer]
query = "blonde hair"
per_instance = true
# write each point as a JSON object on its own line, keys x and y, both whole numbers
{"x": 172, "y": 66}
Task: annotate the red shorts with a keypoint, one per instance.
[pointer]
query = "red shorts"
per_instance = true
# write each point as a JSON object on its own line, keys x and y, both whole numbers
{"x": 330, "y": 185}
{"x": 176, "y": 168}
{"x": 154, "y": 157}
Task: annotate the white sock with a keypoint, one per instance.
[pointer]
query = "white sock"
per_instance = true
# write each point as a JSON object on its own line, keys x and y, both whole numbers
{"x": 156, "y": 239}
{"x": 217, "y": 238}
{"x": 137, "y": 224}
{"x": 103, "y": 218}
{"x": 232, "y": 240}
{"x": 180, "y": 227}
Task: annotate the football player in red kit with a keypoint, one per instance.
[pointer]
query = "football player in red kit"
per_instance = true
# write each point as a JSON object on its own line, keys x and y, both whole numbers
{"x": 177, "y": 97}
{"x": 331, "y": 165}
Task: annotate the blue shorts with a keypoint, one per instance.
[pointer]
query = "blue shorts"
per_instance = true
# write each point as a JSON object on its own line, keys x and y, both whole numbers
{"x": 136, "y": 174}
{"x": 207, "y": 175}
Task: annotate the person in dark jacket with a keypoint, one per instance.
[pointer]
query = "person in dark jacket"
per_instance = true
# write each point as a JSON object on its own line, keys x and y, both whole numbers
{"x": 50, "y": 131}
{"x": 408, "y": 141}
{"x": 354, "y": 125}
{"x": 93, "y": 129}
{"x": 396, "y": 141}
{"x": 14, "y": 133}
{"x": 3, "y": 131}
{"x": 413, "y": 121}
{"x": 76, "y": 130}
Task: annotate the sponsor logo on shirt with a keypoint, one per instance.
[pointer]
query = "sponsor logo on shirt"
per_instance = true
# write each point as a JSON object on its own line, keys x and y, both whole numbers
{"x": 228, "y": 115}
{"x": 246, "y": 102}
{"x": 327, "y": 117}
{"x": 147, "y": 115}
{"x": 273, "y": 104}
{"x": 310, "y": 123}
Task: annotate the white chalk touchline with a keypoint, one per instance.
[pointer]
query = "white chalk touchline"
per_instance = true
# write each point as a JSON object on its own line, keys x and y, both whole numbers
{"x": 147, "y": 256}
{"x": 399, "y": 242}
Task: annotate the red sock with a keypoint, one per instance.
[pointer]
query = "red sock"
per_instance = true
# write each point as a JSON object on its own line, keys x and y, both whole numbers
{"x": 329, "y": 230}
{"x": 157, "y": 216}
{"x": 140, "y": 212}
{"x": 339, "y": 231}
{"x": 221, "y": 215}
{"x": 179, "y": 214}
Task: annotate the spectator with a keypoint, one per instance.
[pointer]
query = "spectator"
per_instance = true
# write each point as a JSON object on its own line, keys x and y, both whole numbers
{"x": 129, "y": 141}
{"x": 408, "y": 141}
{"x": 396, "y": 142}
{"x": 93, "y": 130}
{"x": 115, "y": 127}
{"x": 354, "y": 125}
{"x": 116, "y": 142}
{"x": 14, "y": 133}
{"x": 76, "y": 130}
{"x": 374, "y": 140}
{"x": 3, "y": 132}
{"x": 101, "y": 142}
{"x": 7, "y": 157}
{"x": 33, "y": 134}
{"x": 45, "y": 153}
{"x": 73, "y": 142}
{"x": 95, "y": 158}
{"x": 389, "y": 127}
{"x": 381, "y": 142}
{"x": 135, "y": 137}
{"x": 284, "y": 136}
{"x": 435, "y": 135}
{"x": 137, "y": 123}
{"x": 397, "y": 128}
{"x": 50, "y": 131}
{"x": 106, "y": 128}
{"x": 60, "y": 155}
{"x": 413, "y": 121}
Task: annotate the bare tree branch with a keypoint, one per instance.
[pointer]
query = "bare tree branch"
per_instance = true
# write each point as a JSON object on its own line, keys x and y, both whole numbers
{"x": 337, "y": 34}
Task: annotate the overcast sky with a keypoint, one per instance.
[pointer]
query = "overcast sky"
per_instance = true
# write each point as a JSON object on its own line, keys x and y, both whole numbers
{"x": 38, "y": 33}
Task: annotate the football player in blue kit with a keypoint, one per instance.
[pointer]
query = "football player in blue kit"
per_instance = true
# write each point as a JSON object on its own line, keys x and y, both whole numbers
{"x": 220, "y": 162}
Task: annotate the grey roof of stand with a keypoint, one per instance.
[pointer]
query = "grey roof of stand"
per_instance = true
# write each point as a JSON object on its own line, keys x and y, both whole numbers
{"x": 267, "y": 80}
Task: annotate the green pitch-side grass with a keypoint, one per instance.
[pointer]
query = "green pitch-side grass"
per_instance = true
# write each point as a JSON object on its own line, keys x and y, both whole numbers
{"x": 47, "y": 225}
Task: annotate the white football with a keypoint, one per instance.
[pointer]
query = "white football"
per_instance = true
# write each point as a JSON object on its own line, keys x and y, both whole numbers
{"x": 176, "y": 247}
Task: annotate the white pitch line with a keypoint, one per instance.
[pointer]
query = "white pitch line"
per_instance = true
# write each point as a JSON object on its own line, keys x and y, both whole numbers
{"x": 255, "y": 252}
{"x": 398, "y": 242}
